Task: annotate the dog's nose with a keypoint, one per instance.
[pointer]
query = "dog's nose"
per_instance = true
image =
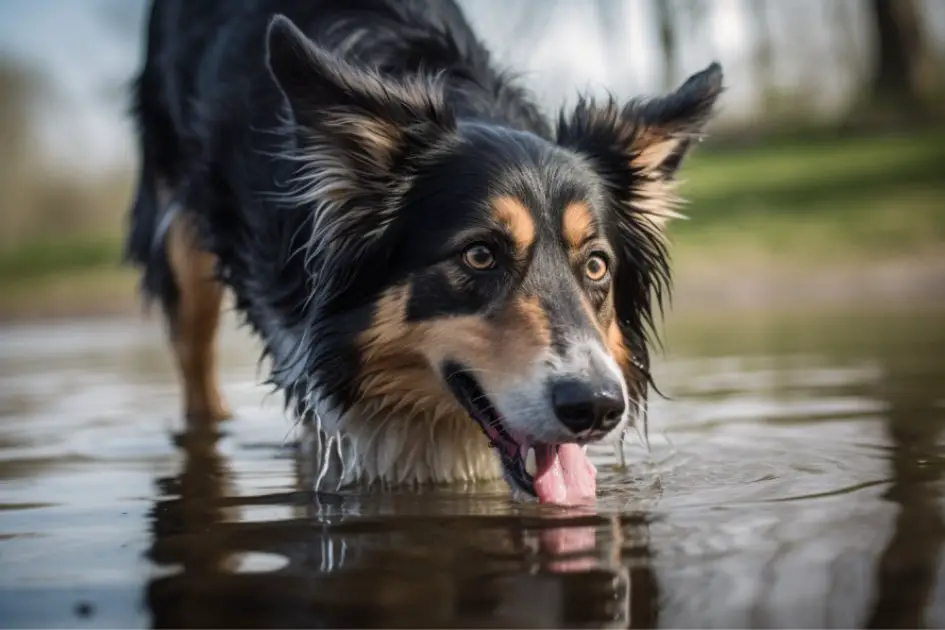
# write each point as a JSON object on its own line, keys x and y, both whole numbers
{"x": 582, "y": 406}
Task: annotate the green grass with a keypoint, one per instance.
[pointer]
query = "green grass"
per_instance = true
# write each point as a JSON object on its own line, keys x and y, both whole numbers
{"x": 27, "y": 263}
{"x": 827, "y": 199}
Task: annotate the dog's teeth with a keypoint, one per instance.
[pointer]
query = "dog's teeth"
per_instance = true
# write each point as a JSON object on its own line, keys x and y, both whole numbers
{"x": 531, "y": 466}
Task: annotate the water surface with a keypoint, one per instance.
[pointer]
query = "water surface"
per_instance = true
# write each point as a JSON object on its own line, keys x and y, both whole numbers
{"x": 794, "y": 479}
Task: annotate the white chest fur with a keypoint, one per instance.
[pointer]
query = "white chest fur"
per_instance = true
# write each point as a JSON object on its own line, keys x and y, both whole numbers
{"x": 367, "y": 447}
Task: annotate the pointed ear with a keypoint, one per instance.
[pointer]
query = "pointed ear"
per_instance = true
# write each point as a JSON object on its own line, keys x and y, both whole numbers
{"x": 639, "y": 148}
{"x": 356, "y": 138}
{"x": 353, "y": 116}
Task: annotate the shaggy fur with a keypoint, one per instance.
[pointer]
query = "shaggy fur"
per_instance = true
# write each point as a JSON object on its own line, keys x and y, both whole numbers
{"x": 407, "y": 234}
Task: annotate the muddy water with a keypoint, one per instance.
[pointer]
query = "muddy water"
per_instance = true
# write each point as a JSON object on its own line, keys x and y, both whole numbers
{"x": 794, "y": 479}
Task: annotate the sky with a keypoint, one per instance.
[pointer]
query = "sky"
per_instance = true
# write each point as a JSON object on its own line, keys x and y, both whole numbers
{"x": 86, "y": 52}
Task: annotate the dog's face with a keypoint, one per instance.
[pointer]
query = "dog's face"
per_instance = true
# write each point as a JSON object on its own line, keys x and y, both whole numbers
{"x": 481, "y": 269}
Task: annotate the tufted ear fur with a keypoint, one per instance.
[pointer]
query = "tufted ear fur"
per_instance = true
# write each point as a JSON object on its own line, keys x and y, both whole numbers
{"x": 638, "y": 148}
{"x": 357, "y": 138}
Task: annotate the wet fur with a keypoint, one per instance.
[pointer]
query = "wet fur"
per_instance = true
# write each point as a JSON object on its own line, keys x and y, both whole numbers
{"x": 319, "y": 184}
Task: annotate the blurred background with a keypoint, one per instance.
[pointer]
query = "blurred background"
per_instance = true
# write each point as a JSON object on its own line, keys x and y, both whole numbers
{"x": 803, "y": 484}
{"x": 822, "y": 181}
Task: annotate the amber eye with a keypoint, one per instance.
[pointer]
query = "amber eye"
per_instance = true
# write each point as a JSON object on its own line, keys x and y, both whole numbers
{"x": 595, "y": 268}
{"x": 479, "y": 257}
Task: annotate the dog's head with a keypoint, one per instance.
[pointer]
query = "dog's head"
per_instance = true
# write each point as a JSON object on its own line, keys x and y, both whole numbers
{"x": 469, "y": 267}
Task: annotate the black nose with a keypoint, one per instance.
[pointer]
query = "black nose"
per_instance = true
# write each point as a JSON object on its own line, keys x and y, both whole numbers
{"x": 585, "y": 406}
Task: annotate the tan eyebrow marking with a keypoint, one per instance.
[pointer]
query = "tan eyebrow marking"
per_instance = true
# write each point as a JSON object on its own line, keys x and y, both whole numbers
{"x": 515, "y": 217}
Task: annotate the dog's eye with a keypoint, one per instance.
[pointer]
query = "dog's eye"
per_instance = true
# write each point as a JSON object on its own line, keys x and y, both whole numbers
{"x": 479, "y": 257}
{"x": 595, "y": 268}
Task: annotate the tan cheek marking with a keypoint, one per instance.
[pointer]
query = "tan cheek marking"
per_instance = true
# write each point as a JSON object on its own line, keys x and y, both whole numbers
{"x": 622, "y": 355}
{"x": 609, "y": 329}
{"x": 521, "y": 334}
{"x": 618, "y": 349}
{"x": 577, "y": 225}
{"x": 394, "y": 377}
{"x": 535, "y": 321}
{"x": 517, "y": 219}
{"x": 398, "y": 372}
{"x": 397, "y": 356}
{"x": 499, "y": 350}
{"x": 389, "y": 321}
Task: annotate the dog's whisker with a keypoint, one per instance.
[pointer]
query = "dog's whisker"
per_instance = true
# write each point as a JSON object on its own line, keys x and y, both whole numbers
{"x": 488, "y": 372}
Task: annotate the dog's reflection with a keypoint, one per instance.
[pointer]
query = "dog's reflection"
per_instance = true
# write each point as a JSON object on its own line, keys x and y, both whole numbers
{"x": 381, "y": 559}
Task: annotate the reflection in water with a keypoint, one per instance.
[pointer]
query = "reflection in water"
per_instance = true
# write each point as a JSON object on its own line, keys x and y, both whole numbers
{"x": 390, "y": 560}
{"x": 794, "y": 480}
{"x": 909, "y": 564}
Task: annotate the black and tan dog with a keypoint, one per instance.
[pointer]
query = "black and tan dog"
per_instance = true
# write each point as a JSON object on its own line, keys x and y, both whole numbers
{"x": 442, "y": 280}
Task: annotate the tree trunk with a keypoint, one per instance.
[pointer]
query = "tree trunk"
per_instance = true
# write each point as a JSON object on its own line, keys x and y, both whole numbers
{"x": 763, "y": 55}
{"x": 904, "y": 69}
{"x": 666, "y": 28}
{"x": 843, "y": 23}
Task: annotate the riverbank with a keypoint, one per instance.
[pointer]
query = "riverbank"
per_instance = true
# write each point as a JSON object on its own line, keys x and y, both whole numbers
{"x": 815, "y": 222}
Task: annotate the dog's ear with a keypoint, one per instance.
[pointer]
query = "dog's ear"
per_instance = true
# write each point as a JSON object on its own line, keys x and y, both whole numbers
{"x": 354, "y": 126}
{"x": 354, "y": 106}
{"x": 638, "y": 148}
{"x": 356, "y": 137}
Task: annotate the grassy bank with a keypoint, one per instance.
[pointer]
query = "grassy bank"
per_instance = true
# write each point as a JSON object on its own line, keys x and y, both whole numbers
{"x": 25, "y": 264}
{"x": 819, "y": 201}
{"x": 791, "y": 208}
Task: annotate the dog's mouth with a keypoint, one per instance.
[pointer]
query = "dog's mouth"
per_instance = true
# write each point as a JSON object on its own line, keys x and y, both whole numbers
{"x": 561, "y": 473}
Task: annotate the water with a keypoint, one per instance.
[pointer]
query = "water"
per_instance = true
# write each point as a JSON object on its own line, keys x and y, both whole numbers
{"x": 794, "y": 479}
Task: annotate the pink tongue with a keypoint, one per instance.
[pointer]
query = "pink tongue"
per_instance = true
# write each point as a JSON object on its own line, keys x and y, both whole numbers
{"x": 567, "y": 476}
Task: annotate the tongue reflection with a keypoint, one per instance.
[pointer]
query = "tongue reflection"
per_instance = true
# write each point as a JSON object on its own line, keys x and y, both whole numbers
{"x": 565, "y": 475}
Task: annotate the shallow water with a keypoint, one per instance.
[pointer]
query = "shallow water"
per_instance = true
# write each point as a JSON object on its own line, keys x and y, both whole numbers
{"x": 794, "y": 479}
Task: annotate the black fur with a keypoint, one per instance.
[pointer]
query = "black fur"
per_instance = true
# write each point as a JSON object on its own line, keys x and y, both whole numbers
{"x": 233, "y": 108}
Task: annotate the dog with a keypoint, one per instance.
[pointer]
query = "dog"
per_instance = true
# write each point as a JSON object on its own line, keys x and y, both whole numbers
{"x": 449, "y": 287}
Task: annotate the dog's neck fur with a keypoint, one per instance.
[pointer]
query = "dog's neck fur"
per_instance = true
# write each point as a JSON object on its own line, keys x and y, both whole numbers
{"x": 365, "y": 446}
